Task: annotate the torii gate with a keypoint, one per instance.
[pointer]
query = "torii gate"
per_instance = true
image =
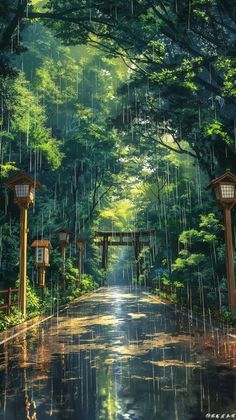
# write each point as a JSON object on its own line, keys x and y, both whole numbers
{"x": 123, "y": 239}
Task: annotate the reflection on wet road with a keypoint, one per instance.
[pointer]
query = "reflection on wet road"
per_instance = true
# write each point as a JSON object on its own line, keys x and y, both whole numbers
{"x": 119, "y": 354}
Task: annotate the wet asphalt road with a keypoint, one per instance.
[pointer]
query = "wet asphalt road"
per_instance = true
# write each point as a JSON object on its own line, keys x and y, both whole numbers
{"x": 118, "y": 354}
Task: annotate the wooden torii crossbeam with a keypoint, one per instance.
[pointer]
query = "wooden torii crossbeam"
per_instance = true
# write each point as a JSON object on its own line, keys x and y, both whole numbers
{"x": 106, "y": 239}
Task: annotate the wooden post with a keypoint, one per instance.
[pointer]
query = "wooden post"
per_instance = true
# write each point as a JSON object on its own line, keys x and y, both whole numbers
{"x": 105, "y": 252}
{"x": 42, "y": 281}
{"x": 80, "y": 263}
{"x": 23, "y": 254}
{"x": 9, "y": 301}
{"x": 24, "y": 188}
{"x": 229, "y": 257}
{"x": 225, "y": 191}
{"x": 63, "y": 255}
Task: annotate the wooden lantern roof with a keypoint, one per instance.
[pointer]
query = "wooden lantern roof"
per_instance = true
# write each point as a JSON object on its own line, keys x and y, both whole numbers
{"x": 80, "y": 243}
{"x": 226, "y": 177}
{"x": 80, "y": 240}
{"x": 63, "y": 230}
{"x": 42, "y": 243}
{"x": 22, "y": 178}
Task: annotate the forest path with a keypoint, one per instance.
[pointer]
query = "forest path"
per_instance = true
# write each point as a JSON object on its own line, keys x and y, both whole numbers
{"x": 118, "y": 354}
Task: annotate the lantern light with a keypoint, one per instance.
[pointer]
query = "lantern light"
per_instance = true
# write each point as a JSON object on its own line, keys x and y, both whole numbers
{"x": 24, "y": 188}
{"x": 81, "y": 244}
{"x": 42, "y": 248}
{"x": 227, "y": 191}
{"x": 64, "y": 236}
{"x": 224, "y": 187}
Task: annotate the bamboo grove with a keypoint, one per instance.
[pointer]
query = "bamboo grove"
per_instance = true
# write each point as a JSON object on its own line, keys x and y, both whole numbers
{"x": 123, "y": 111}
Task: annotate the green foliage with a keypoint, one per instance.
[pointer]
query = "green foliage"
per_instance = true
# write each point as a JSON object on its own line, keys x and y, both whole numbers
{"x": 216, "y": 132}
{"x": 227, "y": 66}
{"x": 71, "y": 274}
{"x": 123, "y": 138}
{"x": 33, "y": 302}
{"x": 209, "y": 221}
{"x": 190, "y": 235}
{"x": 26, "y": 120}
{"x": 119, "y": 215}
{"x": 87, "y": 283}
{"x": 9, "y": 321}
{"x": 187, "y": 260}
{"x": 34, "y": 307}
{"x": 10, "y": 254}
{"x": 6, "y": 168}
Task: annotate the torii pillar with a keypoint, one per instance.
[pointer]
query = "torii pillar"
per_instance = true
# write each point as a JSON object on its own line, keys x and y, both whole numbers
{"x": 137, "y": 250}
{"x": 105, "y": 252}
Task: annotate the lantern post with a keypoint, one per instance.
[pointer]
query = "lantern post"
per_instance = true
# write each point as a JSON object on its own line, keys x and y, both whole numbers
{"x": 24, "y": 188}
{"x": 81, "y": 247}
{"x": 64, "y": 239}
{"x": 225, "y": 191}
{"x": 42, "y": 249}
